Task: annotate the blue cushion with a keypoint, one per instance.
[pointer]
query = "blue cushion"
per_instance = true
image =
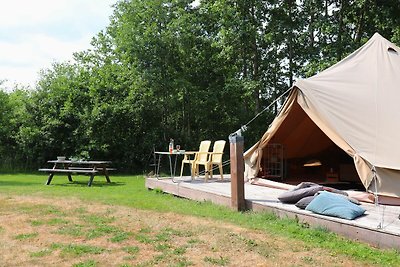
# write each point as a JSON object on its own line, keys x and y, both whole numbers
{"x": 331, "y": 204}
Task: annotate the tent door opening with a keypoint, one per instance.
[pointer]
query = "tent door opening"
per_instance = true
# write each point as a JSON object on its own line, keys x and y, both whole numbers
{"x": 273, "y": 162}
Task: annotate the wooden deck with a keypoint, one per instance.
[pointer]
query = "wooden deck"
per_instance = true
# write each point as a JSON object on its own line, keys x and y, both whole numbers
{"x": 380, "y": 226}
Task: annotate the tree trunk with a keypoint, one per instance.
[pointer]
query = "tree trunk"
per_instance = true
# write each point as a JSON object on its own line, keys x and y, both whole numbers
{"x": 326, "y": 9}
{"x": 311, "y": 27}
{"x": 256, "y": 61}
{"x": 360, "y": 26}
{"x": 290, "y": 42}
{"x": 340, "y": 30}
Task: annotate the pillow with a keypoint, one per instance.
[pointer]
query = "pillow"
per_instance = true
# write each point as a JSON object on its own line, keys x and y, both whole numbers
{"x": 334, "y": 190}
{"x": 303, "y": 203}
{"x": 296, "y": 195}
{"x": 304, "y": 185}
{"x": 331, "y": 204}
{"x": 352, "y": 200}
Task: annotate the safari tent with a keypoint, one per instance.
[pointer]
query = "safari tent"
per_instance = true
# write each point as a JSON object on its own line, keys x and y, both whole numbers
{"x": 339, "y": 126}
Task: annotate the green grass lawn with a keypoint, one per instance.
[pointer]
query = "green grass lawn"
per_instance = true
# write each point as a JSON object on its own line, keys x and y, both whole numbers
{"x": 130, "y": 191}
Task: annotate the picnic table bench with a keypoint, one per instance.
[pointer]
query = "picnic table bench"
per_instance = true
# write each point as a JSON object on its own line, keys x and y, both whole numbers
{"x": 68, "y": 167}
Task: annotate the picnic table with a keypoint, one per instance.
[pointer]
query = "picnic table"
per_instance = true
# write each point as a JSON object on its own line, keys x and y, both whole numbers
{"x": 69, "y": 167}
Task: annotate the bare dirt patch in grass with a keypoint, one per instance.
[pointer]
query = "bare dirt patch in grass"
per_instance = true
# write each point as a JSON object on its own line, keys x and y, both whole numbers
{"x": 67, "y": 232}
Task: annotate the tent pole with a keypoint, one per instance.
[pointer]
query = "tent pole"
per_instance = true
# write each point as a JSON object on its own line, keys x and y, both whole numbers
{"x": 375, "y": 177}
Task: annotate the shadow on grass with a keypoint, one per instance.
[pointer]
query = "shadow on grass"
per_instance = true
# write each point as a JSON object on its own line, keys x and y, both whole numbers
{"x": 94, "y": 184}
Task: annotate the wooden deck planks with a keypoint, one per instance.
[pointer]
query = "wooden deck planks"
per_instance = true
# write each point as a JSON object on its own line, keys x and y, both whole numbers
{"x": 260, "y": 198}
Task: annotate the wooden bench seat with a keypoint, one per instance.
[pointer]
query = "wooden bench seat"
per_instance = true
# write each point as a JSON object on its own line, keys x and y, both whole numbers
{"x": 68, "y": 172}
{"x": 72, "y": 171}
{"x": 85, "y": 168}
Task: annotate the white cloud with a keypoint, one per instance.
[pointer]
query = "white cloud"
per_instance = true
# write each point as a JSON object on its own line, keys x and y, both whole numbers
{"x": 33, "y": 34}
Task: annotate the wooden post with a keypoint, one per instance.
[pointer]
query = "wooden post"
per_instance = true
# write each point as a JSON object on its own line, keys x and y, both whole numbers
{"x": 237, "y": 172}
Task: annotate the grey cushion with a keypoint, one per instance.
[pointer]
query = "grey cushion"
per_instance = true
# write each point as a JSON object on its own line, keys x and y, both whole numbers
{"x": 296, "y": 195}
{"x": 303, "y": 203}
{"x": 334, "y": 190}
{"x": 304, "y": 185}
{"x": 353, "y": 200}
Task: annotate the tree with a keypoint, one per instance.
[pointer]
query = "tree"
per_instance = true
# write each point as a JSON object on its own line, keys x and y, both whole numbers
{"x": 170, "y": 69}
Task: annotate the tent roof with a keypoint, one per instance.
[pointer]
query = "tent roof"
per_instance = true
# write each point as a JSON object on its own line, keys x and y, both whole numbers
{"x": 359, "y": 99}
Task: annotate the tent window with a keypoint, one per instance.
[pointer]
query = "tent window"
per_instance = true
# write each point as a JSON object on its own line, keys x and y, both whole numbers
{"x": 392, "y": 50}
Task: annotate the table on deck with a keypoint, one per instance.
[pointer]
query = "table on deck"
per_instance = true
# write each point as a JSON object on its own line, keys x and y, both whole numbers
{"x": 69, "y": 167}
{"x": 172, "y": 167}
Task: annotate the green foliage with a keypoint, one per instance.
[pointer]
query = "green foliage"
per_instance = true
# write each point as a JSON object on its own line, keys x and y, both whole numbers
{"x": 71, "y": 230}
{"x": 78, "y": 250}
{"x": 169, "y": 69}
{"x": 26, "y": 236}
{"x": 133, "y": 250}
{"x": 88, "y": 263}
{"x": 41, "y": 253}
{"x": 37, "y": 223}
{"x": 56, "y": 221}
{"x": 101, "y": 231}
{"x": 120, "y": 237}
{"x": 221, "y": 261}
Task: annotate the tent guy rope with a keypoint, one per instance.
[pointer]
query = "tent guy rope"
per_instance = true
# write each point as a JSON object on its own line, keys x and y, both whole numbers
{"x": 244, "y": 127}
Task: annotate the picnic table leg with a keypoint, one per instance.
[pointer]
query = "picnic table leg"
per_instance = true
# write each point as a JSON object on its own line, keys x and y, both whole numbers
{"x": 49, "y": 179}
{"x": 106, "y": 175}
{"x": 91, "y": 180}
{"x": 69, "y": 177}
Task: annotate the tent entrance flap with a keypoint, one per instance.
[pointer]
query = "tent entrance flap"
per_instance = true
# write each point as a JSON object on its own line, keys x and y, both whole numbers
{"x": 300, "y": 151}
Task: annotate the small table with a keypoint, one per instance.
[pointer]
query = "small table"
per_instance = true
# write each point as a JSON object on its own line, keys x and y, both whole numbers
{"x": 171, "y": 168}
{"x": 70, "y": 167}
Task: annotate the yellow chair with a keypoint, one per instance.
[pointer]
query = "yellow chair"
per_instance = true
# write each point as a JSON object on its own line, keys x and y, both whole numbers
{"x": 198, "y": 155}
{"x": 214, "y": 158}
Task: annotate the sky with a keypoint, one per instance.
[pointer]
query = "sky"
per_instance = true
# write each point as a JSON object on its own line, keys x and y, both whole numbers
{"x": 36, "y": 33}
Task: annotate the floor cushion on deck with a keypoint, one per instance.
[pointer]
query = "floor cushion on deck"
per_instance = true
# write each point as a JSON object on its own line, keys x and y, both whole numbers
{"x": 304, "y": 185}
{"x": 296, "y": 195}
{"x": 353, "y": 200}
{"x": 303, "y": 203}
{"x": 334, "y": 190}
{"x": 331, "y": 204}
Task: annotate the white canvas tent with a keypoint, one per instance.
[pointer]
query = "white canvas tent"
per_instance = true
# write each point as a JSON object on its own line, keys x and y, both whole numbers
{"x": 353, "y": 106}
